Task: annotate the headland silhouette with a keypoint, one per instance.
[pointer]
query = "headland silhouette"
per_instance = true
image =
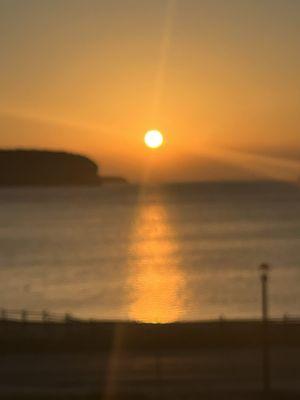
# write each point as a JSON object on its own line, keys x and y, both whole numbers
{"x": 49, "y": 168}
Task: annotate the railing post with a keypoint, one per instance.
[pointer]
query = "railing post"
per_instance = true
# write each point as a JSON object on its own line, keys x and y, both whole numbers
{"x": 3, "y": 315}
{"x": 45, "y": 316}
{"x": 265, "y": 329}
{"x": 68, "y": 318}
{"x": 24, "y": 315}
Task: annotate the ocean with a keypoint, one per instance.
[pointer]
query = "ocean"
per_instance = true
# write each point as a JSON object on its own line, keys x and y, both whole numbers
{"x": 158, "y": 253}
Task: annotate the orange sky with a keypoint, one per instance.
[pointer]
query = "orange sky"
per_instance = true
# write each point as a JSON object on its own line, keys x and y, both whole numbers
{"x": 219, "y": 78}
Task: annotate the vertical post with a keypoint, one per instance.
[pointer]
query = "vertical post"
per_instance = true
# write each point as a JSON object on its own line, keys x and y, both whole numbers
{"x": 265, "y": 329}
{"x": 3, "y": 314}
{"x": 45, "y": 316}
{"x": 68, "y": 318}
{"x": 24, "y": 315}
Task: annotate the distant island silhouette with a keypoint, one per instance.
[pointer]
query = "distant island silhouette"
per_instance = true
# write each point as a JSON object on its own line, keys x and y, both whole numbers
{"x": 49, "y": 168}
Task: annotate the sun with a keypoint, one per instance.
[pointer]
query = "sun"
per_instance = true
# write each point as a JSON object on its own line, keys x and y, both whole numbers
{"x": 153, "y": 139}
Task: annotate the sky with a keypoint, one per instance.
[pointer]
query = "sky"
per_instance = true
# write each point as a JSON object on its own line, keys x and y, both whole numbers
{"x": 219, "y": 78}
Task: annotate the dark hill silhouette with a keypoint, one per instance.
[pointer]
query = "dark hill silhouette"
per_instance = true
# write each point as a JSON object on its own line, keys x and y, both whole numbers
{"x": 44, "y": 168}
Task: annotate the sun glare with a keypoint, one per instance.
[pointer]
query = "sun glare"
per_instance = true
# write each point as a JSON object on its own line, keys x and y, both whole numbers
{"x": 153, "y": 139}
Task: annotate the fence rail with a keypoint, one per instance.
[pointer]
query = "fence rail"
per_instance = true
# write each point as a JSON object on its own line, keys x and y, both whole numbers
{"x": 25, "y": 315}
{"x": 34, "y": 316}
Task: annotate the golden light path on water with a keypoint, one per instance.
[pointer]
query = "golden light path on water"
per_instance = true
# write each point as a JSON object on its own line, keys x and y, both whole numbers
{"x": 156, "y": 280}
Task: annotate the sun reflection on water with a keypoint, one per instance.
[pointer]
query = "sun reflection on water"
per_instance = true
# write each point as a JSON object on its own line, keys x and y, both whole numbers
{"x": 156, "y": 281}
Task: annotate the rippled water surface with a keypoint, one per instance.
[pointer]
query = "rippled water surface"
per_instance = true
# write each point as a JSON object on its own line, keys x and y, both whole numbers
{"x": 158, "y": 254}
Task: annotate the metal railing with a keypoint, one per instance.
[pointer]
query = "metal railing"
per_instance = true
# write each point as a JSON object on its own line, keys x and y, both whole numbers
{"x": 24, "y": 315}
{"x": 34, "y": 316}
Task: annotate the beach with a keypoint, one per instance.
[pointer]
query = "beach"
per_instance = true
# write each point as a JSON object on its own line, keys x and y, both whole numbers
{"x": 216, "y": 359}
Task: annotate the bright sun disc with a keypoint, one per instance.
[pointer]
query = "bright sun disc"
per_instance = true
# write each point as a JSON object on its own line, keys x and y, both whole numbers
{"x": 153, "y": 139}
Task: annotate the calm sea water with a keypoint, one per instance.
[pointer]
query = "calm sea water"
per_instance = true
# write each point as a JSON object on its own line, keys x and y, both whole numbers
{"x": 160, "y": 253}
